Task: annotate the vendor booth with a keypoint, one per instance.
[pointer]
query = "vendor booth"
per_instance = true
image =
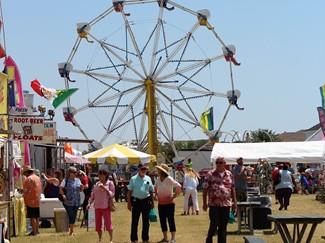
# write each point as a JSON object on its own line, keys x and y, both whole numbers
{"x": 73, "y": 159}
{"x": 294, "y": 152}
{"x": 119, "y": 155}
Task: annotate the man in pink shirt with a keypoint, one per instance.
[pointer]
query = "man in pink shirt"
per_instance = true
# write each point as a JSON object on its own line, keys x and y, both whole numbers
{"x": 219, "y": 187}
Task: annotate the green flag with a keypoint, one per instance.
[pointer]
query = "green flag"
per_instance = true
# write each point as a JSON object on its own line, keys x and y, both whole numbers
{"x": 62, "y": 95}
{"x": 206, "y": 120}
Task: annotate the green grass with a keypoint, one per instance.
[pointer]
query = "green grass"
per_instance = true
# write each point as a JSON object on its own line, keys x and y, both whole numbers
{"x": 190, "y": 229}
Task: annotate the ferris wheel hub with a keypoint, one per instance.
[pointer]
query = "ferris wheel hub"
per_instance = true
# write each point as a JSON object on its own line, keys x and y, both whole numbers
{"x": 148, "y": 81}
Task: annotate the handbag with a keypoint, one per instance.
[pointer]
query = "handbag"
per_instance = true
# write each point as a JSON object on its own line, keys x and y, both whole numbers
{"x": 231, "y": 217}
{"x": 111, "y": 204}
{"x": 152, "y": 215}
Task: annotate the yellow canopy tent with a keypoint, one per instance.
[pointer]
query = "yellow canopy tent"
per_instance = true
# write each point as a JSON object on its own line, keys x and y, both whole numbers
{"x": 119, "y": 154}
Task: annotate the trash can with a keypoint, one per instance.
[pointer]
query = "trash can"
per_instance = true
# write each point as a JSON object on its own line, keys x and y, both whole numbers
{"x": 61, "y": 220}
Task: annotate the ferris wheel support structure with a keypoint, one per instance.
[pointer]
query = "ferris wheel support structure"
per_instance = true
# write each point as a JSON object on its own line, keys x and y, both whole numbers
{"x": 152, "y": 117}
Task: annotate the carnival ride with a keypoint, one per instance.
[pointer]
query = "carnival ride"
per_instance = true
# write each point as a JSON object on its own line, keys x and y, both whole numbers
{"x": 146, "y": 70}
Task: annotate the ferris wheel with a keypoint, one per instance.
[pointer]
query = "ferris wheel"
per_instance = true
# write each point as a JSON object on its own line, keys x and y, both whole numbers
{"x": 146, "y": 70}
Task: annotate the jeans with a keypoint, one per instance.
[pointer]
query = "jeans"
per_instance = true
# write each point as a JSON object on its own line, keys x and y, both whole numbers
{"x": 219, "y": 217}
{"x": 166, "y": 212}
{"x": 140, "y": 207}
{"x": 72, "y": 213}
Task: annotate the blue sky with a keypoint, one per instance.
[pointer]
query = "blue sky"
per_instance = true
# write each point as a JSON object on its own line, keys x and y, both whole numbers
{"x": 279, "y": 43}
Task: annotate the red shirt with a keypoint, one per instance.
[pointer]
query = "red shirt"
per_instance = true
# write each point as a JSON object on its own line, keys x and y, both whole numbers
{"x": 84, "y": 180}
{"x": 219, "y": 188}
{"x": 275, "y": 172}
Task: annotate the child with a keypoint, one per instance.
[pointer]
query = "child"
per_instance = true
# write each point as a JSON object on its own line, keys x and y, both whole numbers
{"x": 190, "y": 205}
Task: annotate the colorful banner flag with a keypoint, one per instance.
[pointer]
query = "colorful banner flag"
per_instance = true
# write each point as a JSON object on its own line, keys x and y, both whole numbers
{"x": 321, "y": 114}
{"x": 3, "y": 103}
{"x": 15, "y": 86}
{"x": 322, "y": 93}
{"x": 58, "y": 96}
{"x": 68, "y": 148}
{"x": 206, "y": 120}
{"x": 62, "y": 95}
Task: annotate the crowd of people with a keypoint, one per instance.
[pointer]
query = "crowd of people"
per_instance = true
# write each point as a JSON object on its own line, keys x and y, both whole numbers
{"x": 140, "y": 198}
{"x": 222, "y": 187}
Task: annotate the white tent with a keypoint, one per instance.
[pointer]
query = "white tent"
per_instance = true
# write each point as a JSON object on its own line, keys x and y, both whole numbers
{"x": 295, "y": 152}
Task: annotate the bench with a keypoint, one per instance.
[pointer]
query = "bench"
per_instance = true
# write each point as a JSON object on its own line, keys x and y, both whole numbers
{"x": 253, "y": 239}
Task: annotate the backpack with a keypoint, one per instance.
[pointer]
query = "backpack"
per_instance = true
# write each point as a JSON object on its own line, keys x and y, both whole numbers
{"x": 45, "y": 224}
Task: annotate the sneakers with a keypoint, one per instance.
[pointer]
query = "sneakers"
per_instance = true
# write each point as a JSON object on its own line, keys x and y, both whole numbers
{"x": 172, "y": 241}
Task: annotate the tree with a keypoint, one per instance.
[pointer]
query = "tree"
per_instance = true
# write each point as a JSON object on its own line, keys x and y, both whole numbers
{"x": 263, "y": 135}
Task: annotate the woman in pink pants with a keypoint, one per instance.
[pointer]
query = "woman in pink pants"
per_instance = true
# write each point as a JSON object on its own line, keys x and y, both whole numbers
{"x": 102, "y": 193}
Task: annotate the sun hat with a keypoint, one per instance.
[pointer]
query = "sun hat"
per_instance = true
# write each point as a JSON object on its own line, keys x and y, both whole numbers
{"x": 164, "y": 168}
{"x": 27, "y": 169}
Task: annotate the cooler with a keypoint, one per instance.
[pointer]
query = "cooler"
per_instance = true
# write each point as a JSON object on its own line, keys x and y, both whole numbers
{"x": 47, "y": 205}
{"x": 61, "y": 220}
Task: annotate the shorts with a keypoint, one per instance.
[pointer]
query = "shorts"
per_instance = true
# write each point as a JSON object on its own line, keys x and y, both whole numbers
{"x": 33, "y": 212}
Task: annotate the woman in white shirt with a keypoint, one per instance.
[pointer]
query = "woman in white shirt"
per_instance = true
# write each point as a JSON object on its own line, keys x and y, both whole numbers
{"x": 284, "y": 189}
{"x": 189, "y": 185}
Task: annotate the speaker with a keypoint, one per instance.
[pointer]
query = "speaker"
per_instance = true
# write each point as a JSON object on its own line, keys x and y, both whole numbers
{"x": 260, "y": 220}
{"x": 265, "y": 200}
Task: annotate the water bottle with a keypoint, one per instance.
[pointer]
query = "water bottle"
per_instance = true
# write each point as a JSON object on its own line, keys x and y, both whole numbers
{"x": 28, "y": 225}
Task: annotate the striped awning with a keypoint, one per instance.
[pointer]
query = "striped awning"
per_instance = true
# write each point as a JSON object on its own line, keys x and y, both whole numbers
{"x": 119, "y": 154}
{"x": 73, "y": 159}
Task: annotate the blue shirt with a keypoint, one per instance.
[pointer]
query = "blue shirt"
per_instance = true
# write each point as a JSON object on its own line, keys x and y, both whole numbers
{"x": 240, "y": 179}
{"x": 72, "y": 191}
{"x": 140, "y": 187}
